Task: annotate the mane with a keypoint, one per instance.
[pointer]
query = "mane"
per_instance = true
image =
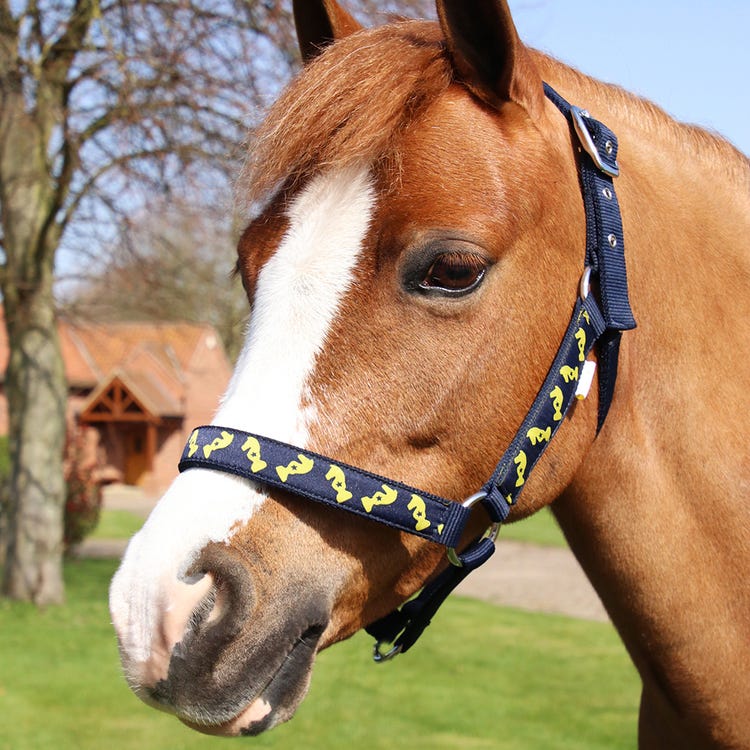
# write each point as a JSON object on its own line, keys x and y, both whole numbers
{"x": 347, "y": 106}
{"x": 642, "y": 115}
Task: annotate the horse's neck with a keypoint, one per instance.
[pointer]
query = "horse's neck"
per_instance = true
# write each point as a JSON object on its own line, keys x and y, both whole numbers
{"x": 659, "y": 513}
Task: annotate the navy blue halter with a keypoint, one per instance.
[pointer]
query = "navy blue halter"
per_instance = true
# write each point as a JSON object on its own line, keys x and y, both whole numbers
{"x": 598, "y": 318}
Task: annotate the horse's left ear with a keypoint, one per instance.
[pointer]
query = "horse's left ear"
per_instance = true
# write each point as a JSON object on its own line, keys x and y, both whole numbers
{"x": 320, "y": 22}
{"x": 488, "y": 54}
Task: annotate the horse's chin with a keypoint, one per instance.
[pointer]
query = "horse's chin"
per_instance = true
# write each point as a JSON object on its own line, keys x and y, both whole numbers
{"x": 255, "y": 719}
{"x": 277, "y": 702}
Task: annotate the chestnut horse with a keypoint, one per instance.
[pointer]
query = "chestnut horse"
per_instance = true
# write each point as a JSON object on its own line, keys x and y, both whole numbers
{"x": 412, "y": 263}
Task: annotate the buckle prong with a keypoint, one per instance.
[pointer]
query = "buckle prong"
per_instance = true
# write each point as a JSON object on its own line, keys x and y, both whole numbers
{"x": 584, "y": 136}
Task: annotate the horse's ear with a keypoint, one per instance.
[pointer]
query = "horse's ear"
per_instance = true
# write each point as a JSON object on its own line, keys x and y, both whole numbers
{"x": 320, "y": 22}
{"x": 488, "y": 54}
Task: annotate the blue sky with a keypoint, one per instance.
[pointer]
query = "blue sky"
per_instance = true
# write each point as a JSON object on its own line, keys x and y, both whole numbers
{"x": 690, "y": 57}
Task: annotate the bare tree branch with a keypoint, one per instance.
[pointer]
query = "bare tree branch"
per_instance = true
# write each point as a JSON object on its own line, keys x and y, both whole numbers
{"x": 7, "y": 22}
{"x": 106, "y": 106}
{"x": 58, "y": 56}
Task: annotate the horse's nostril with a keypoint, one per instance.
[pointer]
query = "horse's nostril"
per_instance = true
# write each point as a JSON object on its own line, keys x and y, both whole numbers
{"x": 212, "y": 608}
{"x": 219, "y": 604}
{"x": 204, "y": 609}
{"x": 178, "y": 602}
{"x": 199, "y": 617}
{"x": 199, "y": 640}
{"x": 182, "y": 604}
{"x": 226, "y": 604}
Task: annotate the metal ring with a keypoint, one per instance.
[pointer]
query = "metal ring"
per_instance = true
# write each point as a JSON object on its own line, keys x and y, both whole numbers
{"x": 491, "y": 533}
{"x": 379, "y": 657}
{"x": 585, "y": 285}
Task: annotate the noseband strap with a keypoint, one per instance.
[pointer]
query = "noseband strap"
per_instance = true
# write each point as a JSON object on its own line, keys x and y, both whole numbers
{"x": 326, "y": 480}
{"x": 598, "y": 319}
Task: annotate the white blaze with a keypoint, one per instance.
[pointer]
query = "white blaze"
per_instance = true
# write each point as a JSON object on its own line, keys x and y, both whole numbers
{"x": 298, "y": 294}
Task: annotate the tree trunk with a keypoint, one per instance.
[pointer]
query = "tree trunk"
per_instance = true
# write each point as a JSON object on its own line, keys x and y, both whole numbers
{"x": 35, "y": 379}
{"x": 37, "y": 393}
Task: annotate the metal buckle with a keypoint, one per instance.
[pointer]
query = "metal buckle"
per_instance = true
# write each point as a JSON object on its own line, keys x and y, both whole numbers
{"x": 491, "y": 533}
{"x": 579, "y": 115}
{"x": 379, "y": 657}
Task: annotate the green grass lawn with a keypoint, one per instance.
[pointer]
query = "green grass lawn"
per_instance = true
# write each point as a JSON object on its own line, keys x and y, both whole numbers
{"x": 481, "y": 677}
{"x": 117, "y": 524}
{"x": 541, "y": 528}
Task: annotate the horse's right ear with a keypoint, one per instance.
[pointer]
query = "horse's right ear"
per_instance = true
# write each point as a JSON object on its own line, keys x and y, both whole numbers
{"x": 320, "y": 22}
{"x": 488, "y": 54}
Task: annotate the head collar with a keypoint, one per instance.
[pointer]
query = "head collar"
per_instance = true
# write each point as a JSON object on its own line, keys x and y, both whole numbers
{"x": 597, "y": 320}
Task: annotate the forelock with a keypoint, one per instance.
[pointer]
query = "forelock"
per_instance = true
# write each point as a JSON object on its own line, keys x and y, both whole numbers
{"x": 347, "y": 107}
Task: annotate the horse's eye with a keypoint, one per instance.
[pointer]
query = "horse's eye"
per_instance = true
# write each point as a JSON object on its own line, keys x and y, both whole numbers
{"x": 454, "y": 273}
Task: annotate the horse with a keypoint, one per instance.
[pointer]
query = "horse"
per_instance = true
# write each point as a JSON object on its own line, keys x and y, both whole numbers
{"x": 413, "y": 252}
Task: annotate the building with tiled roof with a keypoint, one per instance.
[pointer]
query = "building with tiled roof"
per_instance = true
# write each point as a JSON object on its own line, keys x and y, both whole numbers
{"x": 138, "y": 390}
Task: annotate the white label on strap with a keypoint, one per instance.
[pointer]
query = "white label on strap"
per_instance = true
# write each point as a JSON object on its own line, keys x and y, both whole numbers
{"x": 587, "y": 377}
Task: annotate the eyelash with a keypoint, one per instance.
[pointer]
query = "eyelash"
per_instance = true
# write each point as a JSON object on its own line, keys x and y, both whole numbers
{"x": 454, "y": 274}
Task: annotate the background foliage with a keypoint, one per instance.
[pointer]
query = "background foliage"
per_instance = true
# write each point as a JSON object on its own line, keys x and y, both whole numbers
{"x": 83, "y": 500}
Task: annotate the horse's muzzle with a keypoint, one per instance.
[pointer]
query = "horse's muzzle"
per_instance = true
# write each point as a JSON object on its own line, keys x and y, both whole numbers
{"x": 223, "y": 660}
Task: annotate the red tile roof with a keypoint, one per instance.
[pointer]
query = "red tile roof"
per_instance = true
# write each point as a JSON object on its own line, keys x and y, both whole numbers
{"x": 152, "y": 359}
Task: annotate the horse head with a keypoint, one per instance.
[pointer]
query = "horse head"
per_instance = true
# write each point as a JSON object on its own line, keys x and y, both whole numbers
{"x": 410, "y": 263}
